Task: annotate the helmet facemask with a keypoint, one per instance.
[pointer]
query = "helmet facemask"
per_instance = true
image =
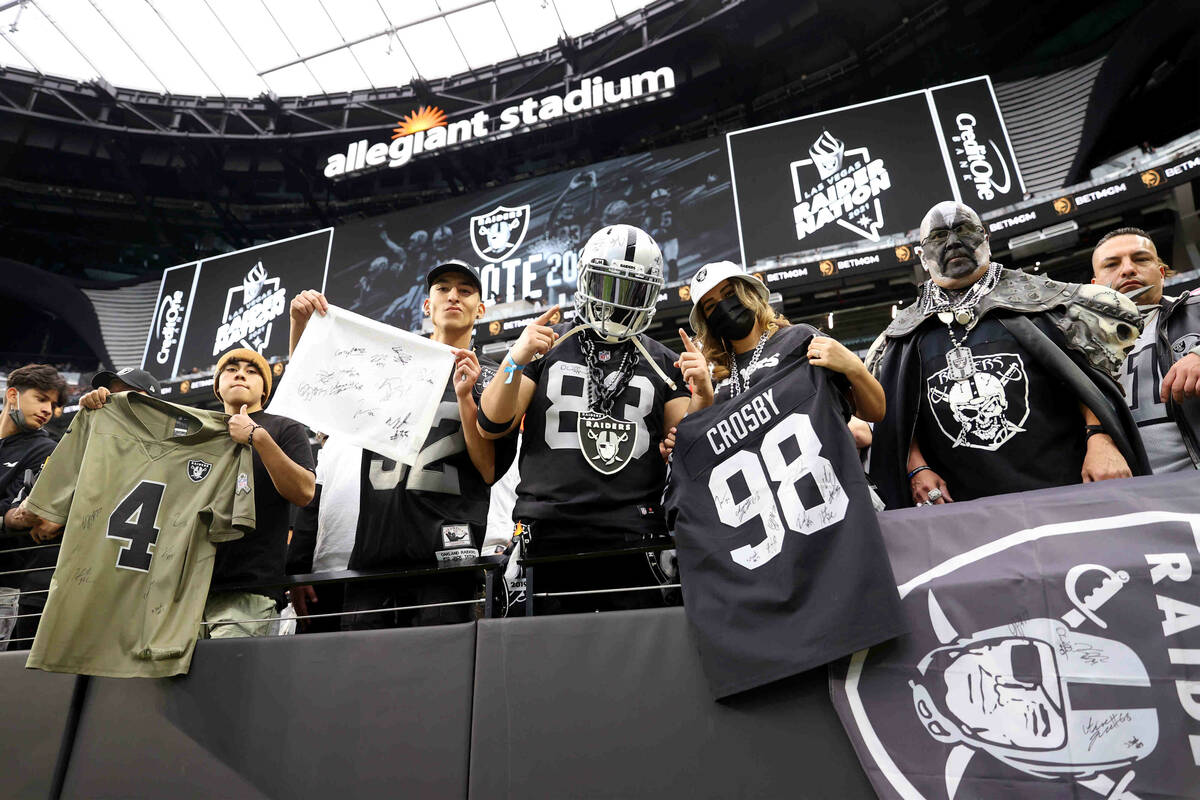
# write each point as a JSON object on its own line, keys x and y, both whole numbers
{"x": 616, "y": 297}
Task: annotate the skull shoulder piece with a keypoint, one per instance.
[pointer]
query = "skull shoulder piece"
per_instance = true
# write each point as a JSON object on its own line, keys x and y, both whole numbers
{"x": 1101, "y": 323}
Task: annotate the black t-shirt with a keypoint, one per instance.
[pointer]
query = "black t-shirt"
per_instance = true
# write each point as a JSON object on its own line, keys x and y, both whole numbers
{"x": 262, "y": 555}
{"x": 435, "y": 510}
{"x": 21, "y": 458}
{"x": 780, "y": 554}
{"x": 1008, "y": 427}
{"x": 558, "y": 487}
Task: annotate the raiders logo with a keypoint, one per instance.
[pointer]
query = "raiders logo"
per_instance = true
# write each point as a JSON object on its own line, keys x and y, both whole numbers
{"x": 497, "y": 234}
{"x": 1063, "y": 205}
{"x": 606, "y": 442}
{"x": 198, "y": 470}
{"x": 982, "y": 403}
{"x": 1151, "y": 178}
{"x": 1070, "y": 681}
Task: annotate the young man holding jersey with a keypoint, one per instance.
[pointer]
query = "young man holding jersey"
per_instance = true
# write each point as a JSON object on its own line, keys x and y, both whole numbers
{"x": 597, "y": 398}
{"x": 435, "y": 512}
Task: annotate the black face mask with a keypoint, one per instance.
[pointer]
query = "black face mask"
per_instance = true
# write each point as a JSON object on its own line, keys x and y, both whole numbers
{"x": 730, "y": 320}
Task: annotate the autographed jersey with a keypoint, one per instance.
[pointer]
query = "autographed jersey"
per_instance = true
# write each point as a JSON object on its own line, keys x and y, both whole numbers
{"x": 558, "y": 484}
{"x": 780, "y": 555}
{"x": 436, "y": 509}
{"x": 145, "y": 488}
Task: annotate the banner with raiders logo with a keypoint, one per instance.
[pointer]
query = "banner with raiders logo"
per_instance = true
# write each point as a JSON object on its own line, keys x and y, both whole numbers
{"x": 241, "y": 299}
{"x": 871, "y": 170}
{"x": 1054, "y": 648}
{"x": 526, "y": 236}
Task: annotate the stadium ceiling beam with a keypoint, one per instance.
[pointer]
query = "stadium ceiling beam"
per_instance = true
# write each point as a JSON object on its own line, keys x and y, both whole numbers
{"x": 338, "y": 31}
{"x": 127, "y": 44}
{"x": 288, "y": 39}
{"x": 195, "y": 60}
{"x": 389, "y": 31}
{"x": 67, "y": 38}
{"x": 20, "y": 52}
{"x": 253, "y": 110}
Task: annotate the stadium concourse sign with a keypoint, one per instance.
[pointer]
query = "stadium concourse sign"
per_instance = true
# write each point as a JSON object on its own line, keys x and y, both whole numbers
{"x": 871, "y": 170}
{"x": 238, "y": 299}
{"x": 427, "y": 129}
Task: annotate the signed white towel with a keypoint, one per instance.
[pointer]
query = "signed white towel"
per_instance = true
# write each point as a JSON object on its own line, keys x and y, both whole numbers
{"x": 367, "y": 383}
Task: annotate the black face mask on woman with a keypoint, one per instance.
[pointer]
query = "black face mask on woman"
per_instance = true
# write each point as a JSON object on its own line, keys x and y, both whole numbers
{"x": 730, "y": 320}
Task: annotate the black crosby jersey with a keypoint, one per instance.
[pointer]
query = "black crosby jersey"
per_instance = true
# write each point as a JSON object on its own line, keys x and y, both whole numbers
{"x": 787, "y": 347}
{"x": 558, "y": 486}
{"x": 437, "y": 509}
{"x": 780, "y": 555}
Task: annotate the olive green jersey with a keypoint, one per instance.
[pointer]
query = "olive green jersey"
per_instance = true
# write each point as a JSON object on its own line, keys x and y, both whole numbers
{"x": 145, "y": 488}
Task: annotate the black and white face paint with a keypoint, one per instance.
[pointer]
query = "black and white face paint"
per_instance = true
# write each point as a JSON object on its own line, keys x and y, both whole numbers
{"x": 954, "y": 243}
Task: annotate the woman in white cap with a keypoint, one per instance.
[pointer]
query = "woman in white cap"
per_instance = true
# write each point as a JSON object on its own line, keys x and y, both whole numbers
{"x": 734, "y": 320}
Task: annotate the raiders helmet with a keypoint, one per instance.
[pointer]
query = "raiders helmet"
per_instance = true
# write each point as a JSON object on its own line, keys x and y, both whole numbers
{"x": 620, "y": 276}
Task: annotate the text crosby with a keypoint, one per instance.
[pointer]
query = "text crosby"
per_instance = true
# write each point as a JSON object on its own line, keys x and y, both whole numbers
{"x": 743, "y": 422}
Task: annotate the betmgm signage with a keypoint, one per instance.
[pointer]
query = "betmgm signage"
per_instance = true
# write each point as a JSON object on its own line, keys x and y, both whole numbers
{"x": 427, "y": 129}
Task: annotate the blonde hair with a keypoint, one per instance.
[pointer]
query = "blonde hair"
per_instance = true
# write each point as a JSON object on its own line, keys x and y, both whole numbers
{"x": 713, "y": 347}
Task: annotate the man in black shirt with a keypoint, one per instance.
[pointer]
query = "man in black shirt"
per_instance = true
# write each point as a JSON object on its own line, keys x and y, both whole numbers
{"x": 998, "y": 381}
{"x": 434, "y": 512}
{"x": 283, "y": 476}
{"x": 29, "y": 400}
{"x": 596, "y": 401}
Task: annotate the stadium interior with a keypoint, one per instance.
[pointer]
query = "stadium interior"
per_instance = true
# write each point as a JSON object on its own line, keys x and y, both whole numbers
{"x": 115, "y": 169}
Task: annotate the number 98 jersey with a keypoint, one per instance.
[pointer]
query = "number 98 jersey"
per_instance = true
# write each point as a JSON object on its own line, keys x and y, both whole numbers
{"x": 558, "y": 485}
{"x": 780, "y": 555}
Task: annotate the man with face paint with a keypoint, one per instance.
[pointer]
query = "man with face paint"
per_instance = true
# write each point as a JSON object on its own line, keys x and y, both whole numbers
{"x": 1162, "y": 374}
{"x": 999, "y": 381}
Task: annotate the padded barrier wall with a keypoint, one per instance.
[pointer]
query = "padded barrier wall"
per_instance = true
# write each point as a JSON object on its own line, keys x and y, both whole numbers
{"x": 583, "y": 706}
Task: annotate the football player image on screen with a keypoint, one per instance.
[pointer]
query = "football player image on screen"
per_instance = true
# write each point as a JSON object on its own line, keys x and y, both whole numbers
{"x": 434, "y": 512}
{"x": 145, "y": 489}
{"x": 596, "y": 399}
{"x": 573, "y": 211}
{"x": 779, "y": 550}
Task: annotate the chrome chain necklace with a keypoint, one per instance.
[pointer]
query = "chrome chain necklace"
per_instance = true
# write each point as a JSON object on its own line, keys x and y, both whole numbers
{"x": 735, "y": 380}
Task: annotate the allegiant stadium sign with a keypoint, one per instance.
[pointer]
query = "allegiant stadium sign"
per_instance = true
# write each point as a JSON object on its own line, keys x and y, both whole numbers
{"x": 427, "y": 129}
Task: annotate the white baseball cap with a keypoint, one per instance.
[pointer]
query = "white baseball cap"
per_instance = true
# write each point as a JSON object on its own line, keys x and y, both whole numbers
{"x": 710, "y": 275}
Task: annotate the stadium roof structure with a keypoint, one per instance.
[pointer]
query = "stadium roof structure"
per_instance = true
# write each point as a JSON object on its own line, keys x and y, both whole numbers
{"x": 284, "y": 48}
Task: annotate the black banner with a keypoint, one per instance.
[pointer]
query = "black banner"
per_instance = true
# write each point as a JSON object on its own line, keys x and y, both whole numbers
{"x": 241, "y": 299}
{"x": 527, "y": 236}
{"x": 1054, "y": 648}
{"x": 164, "y": 339}
{"x": 869, "y": 171}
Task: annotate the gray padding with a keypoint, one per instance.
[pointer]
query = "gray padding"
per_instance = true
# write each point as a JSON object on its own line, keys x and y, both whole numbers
{"x": 373, "y": 714}
{"x": 615, "y": 706}
{"x": 33, "y": 712}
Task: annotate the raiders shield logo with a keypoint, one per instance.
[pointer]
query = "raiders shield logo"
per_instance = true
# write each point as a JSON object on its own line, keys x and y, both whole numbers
{"x": 497, "y": 234}
{"x": 606, "y": 442}
{"x": 1072, "y": 681}
{"x": 198, "y": 470}
{"x": 981, "y": 404}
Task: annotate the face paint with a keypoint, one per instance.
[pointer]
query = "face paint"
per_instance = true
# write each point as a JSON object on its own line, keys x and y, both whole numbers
{"x": 954, "y": 242}
{"x": 730, "y": 320}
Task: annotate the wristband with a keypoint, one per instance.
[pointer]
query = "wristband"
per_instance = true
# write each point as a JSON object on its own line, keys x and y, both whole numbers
{"x": 1092, "y": 430}
{"x": 488, "y": 425}
{"x": 511, "y": 366}
{"x": 918, "y": 469}
{"x": 250, "y": 437}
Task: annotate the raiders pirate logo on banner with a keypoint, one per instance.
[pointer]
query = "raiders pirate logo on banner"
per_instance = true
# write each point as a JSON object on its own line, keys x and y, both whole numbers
{"x": 606, "y": 442}
{"x": 980, "y": 401}
{"x": 497, "y": 234}
{"x": 1053, "y": 649}
{"x": 198, "y": 470}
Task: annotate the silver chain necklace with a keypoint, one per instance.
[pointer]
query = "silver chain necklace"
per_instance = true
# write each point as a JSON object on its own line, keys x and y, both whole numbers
{"x": 935, "y": 299}
{"x": 735, "y": 380}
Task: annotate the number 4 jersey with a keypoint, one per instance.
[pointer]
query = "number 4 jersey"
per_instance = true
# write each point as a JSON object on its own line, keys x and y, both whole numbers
{"x": 780, "y": 555}
{"x": 145, "y": 488}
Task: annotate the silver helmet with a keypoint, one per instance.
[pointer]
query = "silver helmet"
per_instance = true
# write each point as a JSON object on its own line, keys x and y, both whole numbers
{"x": 620, "y": 277}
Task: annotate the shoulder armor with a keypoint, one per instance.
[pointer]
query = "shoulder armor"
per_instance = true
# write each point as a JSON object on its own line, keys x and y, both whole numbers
{"x": 1101, "y": 323}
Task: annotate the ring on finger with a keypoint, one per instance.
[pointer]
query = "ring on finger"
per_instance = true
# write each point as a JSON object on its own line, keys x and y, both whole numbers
{"x": 935, "y": 494}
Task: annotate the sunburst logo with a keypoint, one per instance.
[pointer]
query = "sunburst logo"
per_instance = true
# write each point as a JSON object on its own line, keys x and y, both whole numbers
{"x": 422, "y": 119}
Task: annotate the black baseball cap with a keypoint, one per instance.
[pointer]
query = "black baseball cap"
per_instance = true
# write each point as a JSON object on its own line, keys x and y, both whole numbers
{"x": 137, "y": 378}
{"x": 454, "y": 265}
